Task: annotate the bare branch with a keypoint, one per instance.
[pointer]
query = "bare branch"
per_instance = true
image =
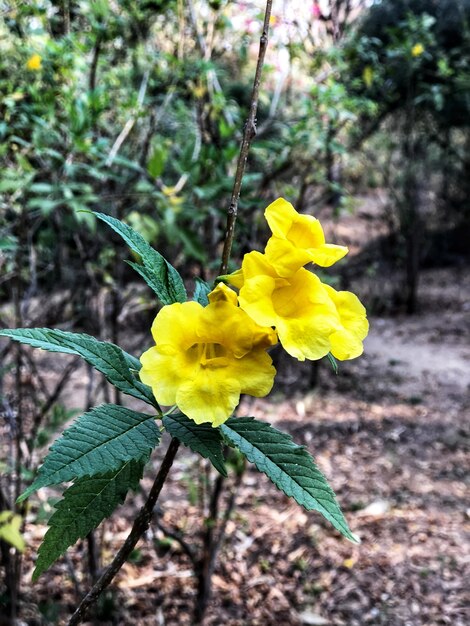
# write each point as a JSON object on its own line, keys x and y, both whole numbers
{"x": 248, "y": 134}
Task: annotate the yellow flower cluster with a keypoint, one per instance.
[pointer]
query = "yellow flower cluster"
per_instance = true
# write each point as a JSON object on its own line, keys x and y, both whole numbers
{"x": 205, "y": 357}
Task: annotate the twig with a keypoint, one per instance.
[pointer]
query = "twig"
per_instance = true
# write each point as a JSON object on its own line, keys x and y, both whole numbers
{"x": 248, "y": 134}
{"x": 141, "y": 524}
{"x": 130, "y": 122}
{"x": 177, "y": 536}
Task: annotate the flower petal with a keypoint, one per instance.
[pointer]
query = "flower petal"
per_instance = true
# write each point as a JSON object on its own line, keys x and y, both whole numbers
{"x": 223, "y": 293}
{"x": 280, "y": 215}
{"x": 175, "y": 324}
{"x": 210, "y": 397}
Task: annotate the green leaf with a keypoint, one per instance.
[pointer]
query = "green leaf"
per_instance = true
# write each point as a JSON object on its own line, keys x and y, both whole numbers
{"x": 99, "y": 441}
{"x": 10, "y": 529}
{"x": 107, "y": 358}
{"x": 200, "y": 438}
{"x": 288, "y": 465}
{"x": 156, "y": 163}
{"x": 159, "y": 275}
{"x": 333, "y": 362}
{"x": 201, "y": 291}
{"x": 84, "y": 506}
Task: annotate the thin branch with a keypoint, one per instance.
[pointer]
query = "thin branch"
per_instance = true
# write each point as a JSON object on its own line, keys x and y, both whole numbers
{"x": 141, "y": 524}
{"x": 128, "y": 126}
{"x": 248, "y": 134}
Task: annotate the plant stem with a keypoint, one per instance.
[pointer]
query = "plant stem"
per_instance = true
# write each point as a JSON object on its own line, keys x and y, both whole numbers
{"x": 141, "y": 524}
{"x": 248, "y": 134}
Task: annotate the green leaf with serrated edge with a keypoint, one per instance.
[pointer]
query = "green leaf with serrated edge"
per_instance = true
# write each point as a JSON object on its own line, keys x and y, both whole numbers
{"x": 160, "y": 275}
{"x": 200, "y": 438}
{"x": 83, "y": 507}
{"x": 288, "y": 465}
{"x": 107, "y": 358}
{"x": 98, "y": 441}
{"x": 201, "y": 292}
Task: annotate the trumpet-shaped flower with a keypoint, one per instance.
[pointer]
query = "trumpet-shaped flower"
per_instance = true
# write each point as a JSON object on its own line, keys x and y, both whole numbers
{"x": 346, "y": 342}
{"x": 297, "y": 240}
{"x": 205, "y": 357}
{"x": 298, "y": 306}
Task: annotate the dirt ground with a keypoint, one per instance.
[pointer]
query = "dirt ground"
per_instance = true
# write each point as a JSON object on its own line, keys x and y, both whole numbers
{"x": 391, "y": 433}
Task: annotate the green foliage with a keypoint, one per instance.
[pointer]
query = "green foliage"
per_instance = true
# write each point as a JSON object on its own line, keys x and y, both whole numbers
{"x": 288, "y": 465}
{"x": 116, "y": 365}
{"x": 432, "y": 75}
{"x": 10, "y": 530}
{"x": 201, "y": 292}
{"x": 156, "y": 271}
{"x": 99, "y": 441}
{"x": 83, "y": 507}
{"x": 200, "y": 438}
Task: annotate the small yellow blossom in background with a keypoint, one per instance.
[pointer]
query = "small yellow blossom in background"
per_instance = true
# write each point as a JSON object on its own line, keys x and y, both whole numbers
{"x": 417, "y": 50}
{"x": 368, "y": 75}
{"x": 349, "y": 563}
{"x": 205, "y": 357}
{"x": 34, "y": 62}
{"x": 297, "y": 240}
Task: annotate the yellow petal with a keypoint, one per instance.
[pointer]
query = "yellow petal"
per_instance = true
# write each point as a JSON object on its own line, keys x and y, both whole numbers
{"x": 209, "y": 397}
{"x": 163, "y": 372}
{"x": 175, "y": 324}
{"x": 235, "y": 278}
{"x": 345, "y": 345}
{"x": 285, "y": 256}
{"x": 254, "y": 372}
{"x": 280, "y": 215}
{"x": 297, "y": 240}
{"x": 224, "y": 293}
{"x": 346, "y": 342}
{"x": 327, "y": 254}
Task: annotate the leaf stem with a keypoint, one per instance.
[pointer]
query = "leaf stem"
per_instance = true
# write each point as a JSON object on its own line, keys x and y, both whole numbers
{"x": 141, "y": 524}
{"x": 248, "y": 134}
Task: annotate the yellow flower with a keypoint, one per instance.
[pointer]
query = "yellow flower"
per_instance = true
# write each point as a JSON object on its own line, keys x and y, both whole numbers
{"x": 368, "y": 75}
{"x": 346, "y": 342}
{"x": 297, "y": 240}
{"x": 34, "y": 62}
{"x": 417, "y": 50}
{"x": 298, "y": 306}
{"x": 205, "y": 357}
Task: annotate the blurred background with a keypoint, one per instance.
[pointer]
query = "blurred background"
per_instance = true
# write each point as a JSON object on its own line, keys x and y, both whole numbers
{"x": 137, "y": 109}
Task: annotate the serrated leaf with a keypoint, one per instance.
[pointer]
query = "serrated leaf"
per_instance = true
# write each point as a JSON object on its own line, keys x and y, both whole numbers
{"x": 83, "y": 507}
{"x": 107, "y": 358}
{"x": 99, "y": 441}
{"x": 159, "y": 275}
{"x": 200, "y": 438}
{"x": 288, "y": 465}
{"x": 201, "y": 291}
